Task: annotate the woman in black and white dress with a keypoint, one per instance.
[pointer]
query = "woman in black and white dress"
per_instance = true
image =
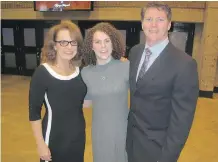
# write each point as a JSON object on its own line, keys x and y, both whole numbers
{"x": 57, "y": 84}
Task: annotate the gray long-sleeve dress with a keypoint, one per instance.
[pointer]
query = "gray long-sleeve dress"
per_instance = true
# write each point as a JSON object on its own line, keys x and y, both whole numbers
{"x": 107, "y": 87}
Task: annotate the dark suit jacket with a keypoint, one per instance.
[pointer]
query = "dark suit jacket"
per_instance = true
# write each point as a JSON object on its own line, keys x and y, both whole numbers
{"x": 162, "y": 105}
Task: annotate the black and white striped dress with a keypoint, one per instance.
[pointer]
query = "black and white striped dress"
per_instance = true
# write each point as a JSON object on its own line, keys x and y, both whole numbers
{"x": 63, "y": 124}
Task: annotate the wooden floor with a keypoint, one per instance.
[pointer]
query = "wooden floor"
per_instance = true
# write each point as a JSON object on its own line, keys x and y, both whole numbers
{"x": 18, "y": 144}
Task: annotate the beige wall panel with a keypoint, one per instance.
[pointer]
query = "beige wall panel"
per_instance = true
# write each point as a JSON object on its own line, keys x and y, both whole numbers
{"x": 210, "y": 38}
{"x": 209, "y": 64}
{"x": 16, "y": 4}
{"x": 208, "y": 73}
{"x": 212, "y": 4}
{"x": 183, "y": 15}
{"x": 180, "y": 15}
{"x": 143, "y": 3}
{"x": 209, "y": 49}
{"x": 97, "y": 4}
{"x": 216, "y": 80}
{"x": 206, "y": 83}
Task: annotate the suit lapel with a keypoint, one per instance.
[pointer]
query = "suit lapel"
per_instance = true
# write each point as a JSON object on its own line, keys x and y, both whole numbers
{"x": 136, "y": 64}
{"x": 155, "y": 68}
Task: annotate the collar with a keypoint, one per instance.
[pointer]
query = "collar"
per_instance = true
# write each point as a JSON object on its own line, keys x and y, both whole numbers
{"x": 157, "y": 48}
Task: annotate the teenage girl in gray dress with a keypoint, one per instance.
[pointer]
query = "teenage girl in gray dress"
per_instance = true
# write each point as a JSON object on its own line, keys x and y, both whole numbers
{"x": 107, "y": 80}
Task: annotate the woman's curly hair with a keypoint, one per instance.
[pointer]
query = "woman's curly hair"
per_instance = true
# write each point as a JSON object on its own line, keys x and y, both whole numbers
{"x": 116, "y": 37}
{"x": 48, "y": 54}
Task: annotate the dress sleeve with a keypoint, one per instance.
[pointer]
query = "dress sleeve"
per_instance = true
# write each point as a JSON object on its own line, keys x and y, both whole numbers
{"x": 85, "y": 79}
{"x": 36, "y": 93}
{"x": 127, "y": 70}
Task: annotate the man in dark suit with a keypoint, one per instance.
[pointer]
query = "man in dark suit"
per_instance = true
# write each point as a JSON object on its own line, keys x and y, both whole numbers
{"x": 163, "y": 92}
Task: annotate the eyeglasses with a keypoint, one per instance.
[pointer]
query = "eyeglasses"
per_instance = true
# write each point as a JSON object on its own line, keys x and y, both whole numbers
{"x": 65, "y": 43}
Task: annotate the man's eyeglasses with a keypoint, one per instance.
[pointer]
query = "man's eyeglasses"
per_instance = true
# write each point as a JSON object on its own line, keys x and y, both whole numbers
{"x": 65, "y": 43}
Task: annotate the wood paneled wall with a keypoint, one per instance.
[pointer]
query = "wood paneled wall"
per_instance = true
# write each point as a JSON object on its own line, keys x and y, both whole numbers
{"x": 104, "y": 4}
{"x": 204, "y": 14}
{"x": 127, "y": 11}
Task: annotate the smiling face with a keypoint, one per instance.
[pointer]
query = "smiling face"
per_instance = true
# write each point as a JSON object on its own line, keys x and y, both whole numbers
{"x": 66, "y": 46}
{"x": 155, "y": 25}
{"x": 102, "y": 46}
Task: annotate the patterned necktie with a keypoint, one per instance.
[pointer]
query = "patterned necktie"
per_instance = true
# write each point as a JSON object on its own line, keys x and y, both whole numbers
{"x": 145, "y": 64}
